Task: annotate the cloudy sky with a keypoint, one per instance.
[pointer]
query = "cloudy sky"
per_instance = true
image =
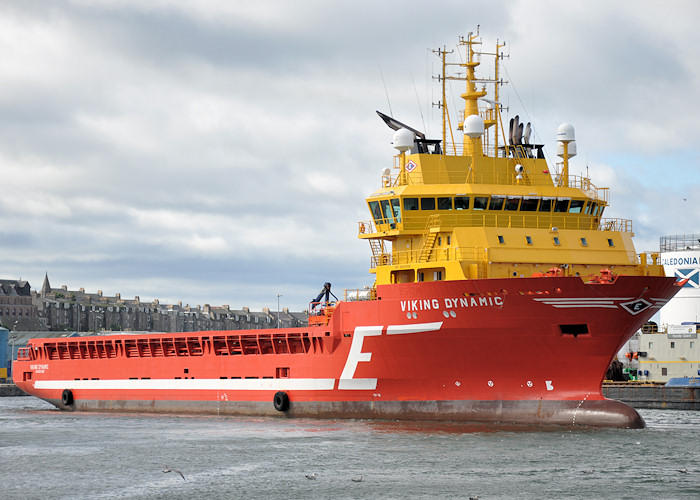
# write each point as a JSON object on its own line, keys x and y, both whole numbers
{"x": 220, "y": 152}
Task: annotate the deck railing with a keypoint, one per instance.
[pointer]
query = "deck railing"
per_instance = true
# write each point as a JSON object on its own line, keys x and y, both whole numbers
{"x": 474, "y": 254}
{"x": 679, "y": 242}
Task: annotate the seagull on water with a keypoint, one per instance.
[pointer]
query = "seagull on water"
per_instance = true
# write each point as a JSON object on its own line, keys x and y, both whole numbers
{"x": 357, "y": 479}
{"x": 683, "y": 471}
{"x": 170, "y": 469}
{"x": 311, "y": 476}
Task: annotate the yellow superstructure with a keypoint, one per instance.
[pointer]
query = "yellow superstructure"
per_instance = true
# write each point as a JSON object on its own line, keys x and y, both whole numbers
{"x": 480, "y": 209}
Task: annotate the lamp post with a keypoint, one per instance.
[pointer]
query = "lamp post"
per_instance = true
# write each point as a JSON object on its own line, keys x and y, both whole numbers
{"x": 278, "y": 310}
{"x": 13, "y": 337}
{"x": 12, "y": 346}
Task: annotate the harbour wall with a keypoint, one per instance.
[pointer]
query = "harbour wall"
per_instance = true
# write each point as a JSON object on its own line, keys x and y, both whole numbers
{"x": 11, "y": 390}
{"x": 653, "y": 396}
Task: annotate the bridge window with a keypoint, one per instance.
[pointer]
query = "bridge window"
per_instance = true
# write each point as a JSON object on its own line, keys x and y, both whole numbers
{"x": 461, "y": 202}
{"x": 576, "y": 206}
{"x": 528, "y": 239}
{"x": 546, "y": 205}
{"x": 497, "y": 202}
{"x": 386, "y": 208}
{"x": 556, "y": 240}
{"x": 611, "y": 243}
{"x": 589, "y": 208}
{"x": 481, "y": 202}
{"x": 410, "y": 204}
{"x": 584, "y": 242}
{"x": 561, "y": 205}
{"x": 444, "y": 203}
{"x": 512, "y": 203}
{"x": 529, "y": 204}
{"x": 427, "y": 203}
{"x": 396, "y": 206}
{"x": 376, "y": 211}
{"x": 391, "y": 210}
{"x": 501, "y": 240}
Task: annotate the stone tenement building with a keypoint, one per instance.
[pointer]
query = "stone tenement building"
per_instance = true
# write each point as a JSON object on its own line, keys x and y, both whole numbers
{"x": 75, "y": 310}
{"x": 16, "y": 303}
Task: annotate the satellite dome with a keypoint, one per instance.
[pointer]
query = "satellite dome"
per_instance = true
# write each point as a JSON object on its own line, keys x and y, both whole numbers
{"x": 403, "y": 139}
{"x": 565, "y": 133}
{"x": 473, "y": 126}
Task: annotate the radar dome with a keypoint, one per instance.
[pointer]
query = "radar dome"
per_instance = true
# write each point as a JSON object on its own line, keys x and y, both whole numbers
{"x": 473, "y": 126}
{"x": 565, "y": 133}
{"x": 403, "y": 139}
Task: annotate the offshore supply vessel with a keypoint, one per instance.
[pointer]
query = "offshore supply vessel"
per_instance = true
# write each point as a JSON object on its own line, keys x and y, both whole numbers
{"x": 501, "y": 295}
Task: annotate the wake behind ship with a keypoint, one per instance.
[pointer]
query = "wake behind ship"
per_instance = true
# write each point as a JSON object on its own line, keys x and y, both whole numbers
{"x": 501, "y": 295}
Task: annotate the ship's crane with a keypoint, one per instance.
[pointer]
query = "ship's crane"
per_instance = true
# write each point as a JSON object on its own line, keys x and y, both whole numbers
{"x": 326, "y": 290}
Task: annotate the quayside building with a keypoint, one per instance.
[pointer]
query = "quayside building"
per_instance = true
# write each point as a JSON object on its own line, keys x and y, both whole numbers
{"x": 671, "y": 350}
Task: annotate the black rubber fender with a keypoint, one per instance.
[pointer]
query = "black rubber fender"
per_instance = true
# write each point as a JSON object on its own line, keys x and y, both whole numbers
{"x": 67, "y": 397}
{"x": 281, "y": 401}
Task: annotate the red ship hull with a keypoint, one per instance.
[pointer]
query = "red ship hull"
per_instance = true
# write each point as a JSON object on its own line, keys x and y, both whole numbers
{"x": 528, "y": 350}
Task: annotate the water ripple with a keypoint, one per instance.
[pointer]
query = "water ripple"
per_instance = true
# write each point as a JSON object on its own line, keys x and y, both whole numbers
{"x": 54, "y": 454}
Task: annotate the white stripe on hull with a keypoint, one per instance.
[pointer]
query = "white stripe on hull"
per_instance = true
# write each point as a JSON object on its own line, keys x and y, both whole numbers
{"x": 272, "y": 384}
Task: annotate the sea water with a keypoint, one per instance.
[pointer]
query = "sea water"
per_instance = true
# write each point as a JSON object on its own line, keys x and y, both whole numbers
{"x": 48, "y": 453}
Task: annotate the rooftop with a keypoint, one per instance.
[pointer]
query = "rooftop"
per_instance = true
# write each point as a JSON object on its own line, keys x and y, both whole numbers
{"x": 679, "y": 242}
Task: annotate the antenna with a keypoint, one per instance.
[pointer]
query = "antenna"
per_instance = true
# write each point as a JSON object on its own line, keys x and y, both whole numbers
{"x": 442, "y": 104}
{"x": 386, "y": 91}
{"x": 587, "y": 174}
{"x": 418, "y": 99}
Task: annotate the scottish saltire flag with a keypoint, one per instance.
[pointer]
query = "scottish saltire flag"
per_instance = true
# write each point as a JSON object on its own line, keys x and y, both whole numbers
{"x": 692, "y": 275}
